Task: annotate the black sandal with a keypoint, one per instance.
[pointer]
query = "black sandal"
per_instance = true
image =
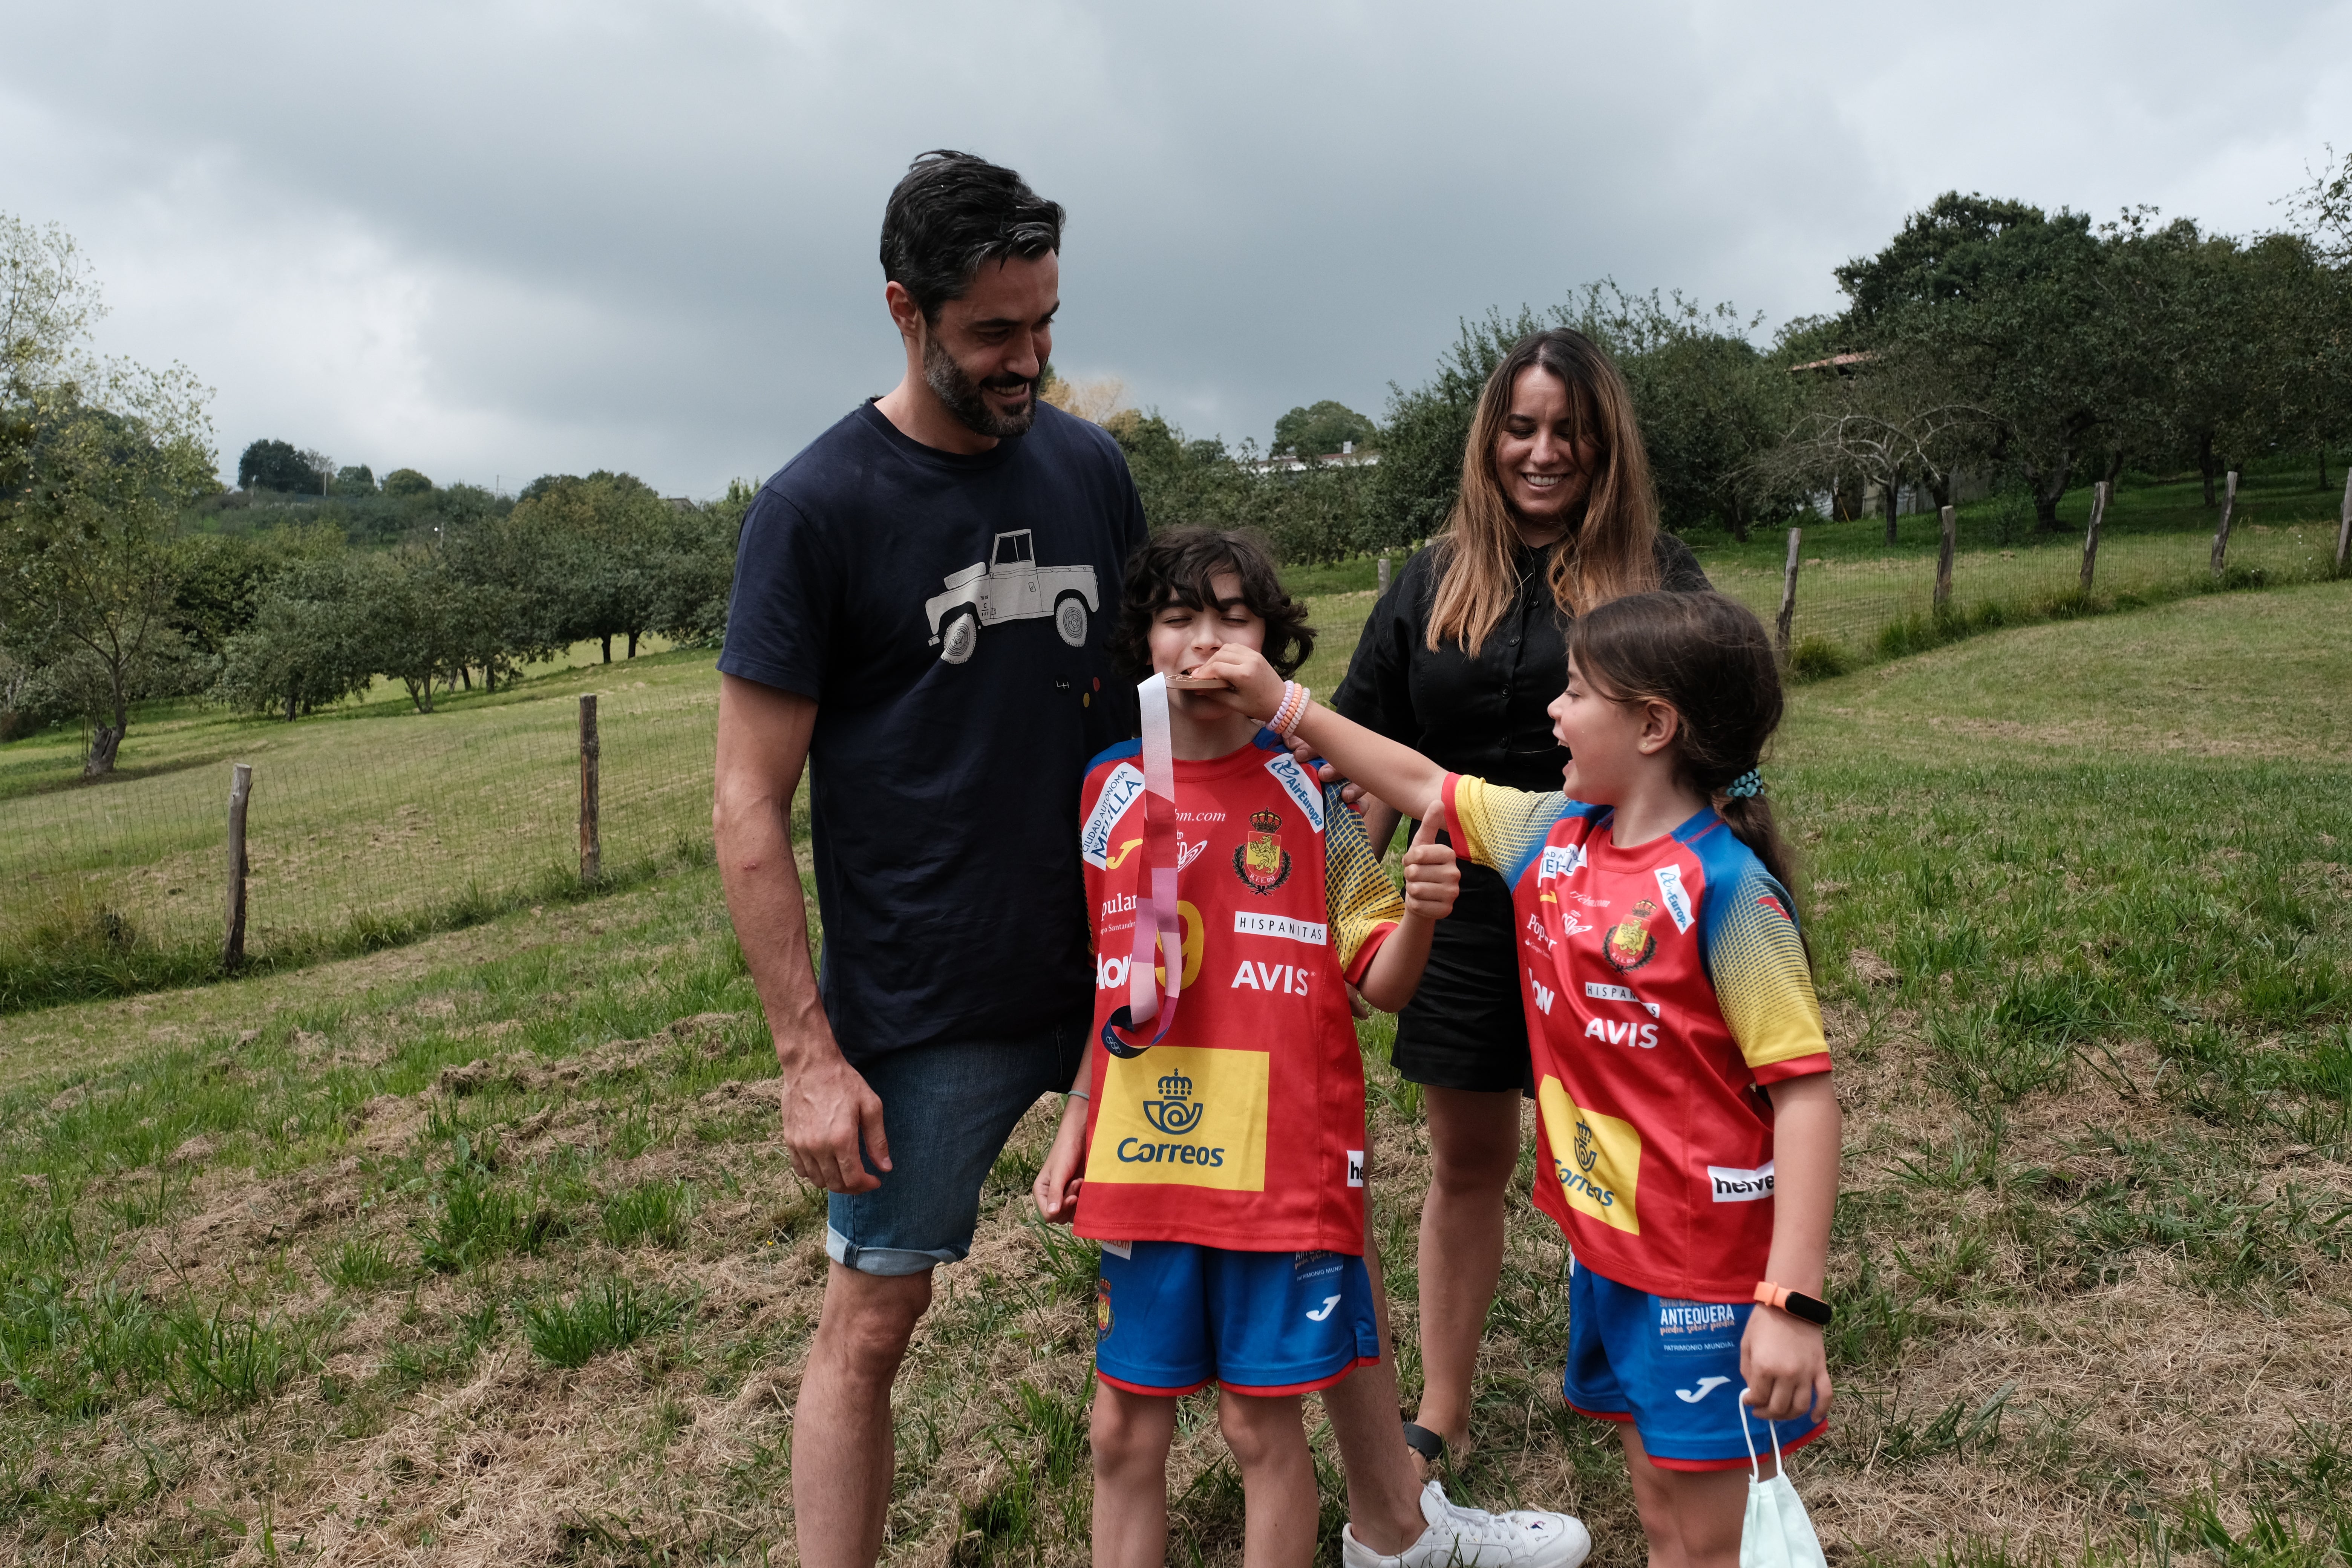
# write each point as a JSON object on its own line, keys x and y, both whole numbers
{"x": 1426, "y": 1443}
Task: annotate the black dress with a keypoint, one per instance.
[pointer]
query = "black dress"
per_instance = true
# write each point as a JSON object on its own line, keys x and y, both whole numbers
{"x": 1484, "y": 717}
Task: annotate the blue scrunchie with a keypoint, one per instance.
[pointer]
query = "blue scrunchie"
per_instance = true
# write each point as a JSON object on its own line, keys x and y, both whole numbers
{"x": 1751, "y": 783}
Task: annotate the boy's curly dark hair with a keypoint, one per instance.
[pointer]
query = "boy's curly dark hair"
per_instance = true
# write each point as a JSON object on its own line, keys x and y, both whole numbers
{"x": 1175, "y": 567}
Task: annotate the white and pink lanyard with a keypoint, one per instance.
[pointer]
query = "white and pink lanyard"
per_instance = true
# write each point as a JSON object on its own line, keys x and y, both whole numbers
{"x": 1165, "y": 928}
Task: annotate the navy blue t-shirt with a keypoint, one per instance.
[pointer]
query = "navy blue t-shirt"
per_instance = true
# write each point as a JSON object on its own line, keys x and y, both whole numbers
{"x": 951, "y": 616}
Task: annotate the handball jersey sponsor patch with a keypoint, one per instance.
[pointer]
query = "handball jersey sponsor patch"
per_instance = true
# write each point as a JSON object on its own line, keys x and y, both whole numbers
{"x": 1183, "y": 1116}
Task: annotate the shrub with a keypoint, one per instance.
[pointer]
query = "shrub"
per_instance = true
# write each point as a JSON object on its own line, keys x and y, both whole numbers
{"x": 1817, "y": 657}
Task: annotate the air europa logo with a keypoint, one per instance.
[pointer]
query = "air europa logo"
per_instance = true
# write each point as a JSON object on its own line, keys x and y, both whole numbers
{"x": 1295, "y": 783}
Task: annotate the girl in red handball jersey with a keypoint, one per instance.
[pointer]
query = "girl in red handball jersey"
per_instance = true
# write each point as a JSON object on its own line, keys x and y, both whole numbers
{"x": 1689, "y": 1129}
{"x": 1217, "y": 1151}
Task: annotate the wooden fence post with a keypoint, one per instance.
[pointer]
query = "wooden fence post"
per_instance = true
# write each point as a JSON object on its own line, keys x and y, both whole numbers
{"x": 1944, "y": 559}
{"x": 1789, "y": 593}
{"x": 240, "y": 790}
{"x": 1384, "y": 570}
{"x": 2222, "y": 534}
{"x": 2091, "y": 539}
{"x": 2344, "y": 529}
{"x": 592, "y": 857}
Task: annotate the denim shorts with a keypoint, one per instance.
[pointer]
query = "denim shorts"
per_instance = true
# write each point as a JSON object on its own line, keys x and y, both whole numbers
{"x": 947, "y": 1110}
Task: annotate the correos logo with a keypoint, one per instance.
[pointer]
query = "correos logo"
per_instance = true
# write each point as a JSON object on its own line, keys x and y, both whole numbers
{"x": 1184, "y": 1115}
{"x": 1175, "y": 1112}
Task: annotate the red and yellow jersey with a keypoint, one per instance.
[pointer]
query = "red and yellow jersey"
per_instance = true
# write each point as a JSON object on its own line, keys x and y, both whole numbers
{"x": 1664, "y": 985}
{"x": 1244, "y": 1128}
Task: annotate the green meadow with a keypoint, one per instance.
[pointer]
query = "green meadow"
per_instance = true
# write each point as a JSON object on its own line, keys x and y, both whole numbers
{"x": 481, "y": 1248}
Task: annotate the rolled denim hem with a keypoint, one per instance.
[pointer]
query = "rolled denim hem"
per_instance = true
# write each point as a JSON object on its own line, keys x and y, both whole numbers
{"x": 883, "y": 1260}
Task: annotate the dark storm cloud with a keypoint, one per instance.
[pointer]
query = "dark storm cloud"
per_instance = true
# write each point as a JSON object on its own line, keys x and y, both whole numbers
{"x": 498, "y": 239}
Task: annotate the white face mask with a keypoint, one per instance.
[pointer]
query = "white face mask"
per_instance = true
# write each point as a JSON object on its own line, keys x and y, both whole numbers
{"x": 1778, "y": 1533}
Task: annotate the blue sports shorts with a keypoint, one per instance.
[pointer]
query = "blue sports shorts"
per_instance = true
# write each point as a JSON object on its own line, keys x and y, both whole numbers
{"x": 1672, "y": 1368}
{"x": 947, "y": 1110}
{"x": 1172, "y": 1317}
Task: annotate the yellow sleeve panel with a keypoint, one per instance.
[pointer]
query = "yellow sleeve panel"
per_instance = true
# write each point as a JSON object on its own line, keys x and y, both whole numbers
{"x": 1761, "y": 980}
{"x": 1498, "y": 827}
{"x": 1364, "y": 903}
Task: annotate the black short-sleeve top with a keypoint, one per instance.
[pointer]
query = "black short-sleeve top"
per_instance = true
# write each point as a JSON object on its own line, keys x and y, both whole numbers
{"x": 1484, "y": 717}
{"x": 951, "y": 616}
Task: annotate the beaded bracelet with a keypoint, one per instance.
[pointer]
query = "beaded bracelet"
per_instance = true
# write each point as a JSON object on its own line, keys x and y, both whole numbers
{"x": 1287, "y": 717}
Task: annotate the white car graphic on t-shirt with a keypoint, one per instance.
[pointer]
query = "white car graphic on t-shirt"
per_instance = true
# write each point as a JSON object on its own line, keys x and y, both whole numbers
{"x": 1011, "y": 586}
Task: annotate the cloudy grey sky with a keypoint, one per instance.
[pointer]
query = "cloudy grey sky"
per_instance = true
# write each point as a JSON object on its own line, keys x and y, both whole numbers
{"x": 494, "y": 239}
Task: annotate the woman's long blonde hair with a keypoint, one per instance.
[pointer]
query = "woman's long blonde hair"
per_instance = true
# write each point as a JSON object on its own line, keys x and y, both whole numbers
{"x": 1611, "y": 552}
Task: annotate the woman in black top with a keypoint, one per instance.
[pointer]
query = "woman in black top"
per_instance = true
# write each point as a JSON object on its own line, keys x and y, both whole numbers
{"x": 1459, "y": 660}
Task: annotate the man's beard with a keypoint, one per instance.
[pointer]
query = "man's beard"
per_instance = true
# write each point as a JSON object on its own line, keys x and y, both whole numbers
{"x": 963, "y": 398}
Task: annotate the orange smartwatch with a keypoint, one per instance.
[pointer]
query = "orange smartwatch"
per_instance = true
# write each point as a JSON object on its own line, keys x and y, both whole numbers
{"x": 1796, "y": 1303}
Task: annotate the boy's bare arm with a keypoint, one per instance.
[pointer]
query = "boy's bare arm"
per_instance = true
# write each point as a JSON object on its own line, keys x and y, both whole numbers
{"x": 764, "y": 742}
{"x": 1432, "y": 880}
{"x": 1397, "y": 774}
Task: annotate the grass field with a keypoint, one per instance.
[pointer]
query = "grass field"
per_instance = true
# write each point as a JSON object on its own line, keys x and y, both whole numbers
{"x": 371, "y": 824}
{"x": 483, "y": 1250}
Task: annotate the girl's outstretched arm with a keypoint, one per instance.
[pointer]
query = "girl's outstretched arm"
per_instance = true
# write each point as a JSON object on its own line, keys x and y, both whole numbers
{"x": 1398, "y": 775}
{"x": 1782, "y": 1357}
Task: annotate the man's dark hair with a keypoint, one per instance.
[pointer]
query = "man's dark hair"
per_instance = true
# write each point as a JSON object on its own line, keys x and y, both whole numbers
{"x": 1175, "y": 567}
{"x": 953, "y": 213}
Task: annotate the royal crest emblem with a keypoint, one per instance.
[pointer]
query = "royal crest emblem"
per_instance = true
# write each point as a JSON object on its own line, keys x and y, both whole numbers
{"x": 1629, "y": 944}
{"x": 1102, "y": 1308}
{"x": 1175, "y": 1112}
{"x": 1261, "y": 862}
{"x": 1586, "y": 1154}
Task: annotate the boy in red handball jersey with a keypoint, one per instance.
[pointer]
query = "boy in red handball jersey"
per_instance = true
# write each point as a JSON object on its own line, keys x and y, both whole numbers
{"x": 1690, "y": 1131}
{"x": 1222, "y": 1168}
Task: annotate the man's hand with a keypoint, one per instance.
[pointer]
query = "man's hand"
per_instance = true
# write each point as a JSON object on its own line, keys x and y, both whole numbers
{"x": 827, "y": 1108}
{"x": 1057, "y": 1184}
{"x": 1786, "y": 1367}
{"x": 1432, "y": 877}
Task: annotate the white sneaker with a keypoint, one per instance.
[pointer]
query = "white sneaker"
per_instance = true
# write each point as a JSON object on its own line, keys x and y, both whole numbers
{"x": 1460, "y": 1537}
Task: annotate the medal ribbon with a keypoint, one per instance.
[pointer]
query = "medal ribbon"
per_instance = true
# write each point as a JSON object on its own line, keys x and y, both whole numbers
{"x": 1165, "y": 928}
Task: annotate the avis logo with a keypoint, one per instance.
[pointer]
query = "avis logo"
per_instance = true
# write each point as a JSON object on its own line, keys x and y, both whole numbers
{"x": 1175, "y": 1112}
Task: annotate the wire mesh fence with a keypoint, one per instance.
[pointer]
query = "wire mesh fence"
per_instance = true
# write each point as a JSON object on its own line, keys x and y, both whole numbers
{"x": 360, "y": 827}
{"x": 1860, "y": 602}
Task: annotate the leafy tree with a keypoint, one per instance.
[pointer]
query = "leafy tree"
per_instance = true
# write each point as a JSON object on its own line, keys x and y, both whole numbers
{"x": 354, "y": 480}
{"x": 96, "y": 463}
{"x": 407, "y": 482}
{"x": 270, "y": 465}
{"x": 310, "y": 645}
{"x": 1318, "y": 515}
{"x": 604, "y": 537}
{"x": 425, "y": 624}
{"x": 2011, "y": 303}
{"x": 223, "y": 579}
{"x": 1325, "y": 428}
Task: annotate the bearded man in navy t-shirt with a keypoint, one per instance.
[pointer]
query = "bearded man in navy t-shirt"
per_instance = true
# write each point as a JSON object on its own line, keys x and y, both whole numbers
{"x": 922, "y": 603}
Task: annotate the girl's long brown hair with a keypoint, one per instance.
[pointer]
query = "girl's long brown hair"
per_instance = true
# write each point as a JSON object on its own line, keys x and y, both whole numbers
{"x": 1708, "y": 657}
{"x": 1612, "y": 552}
